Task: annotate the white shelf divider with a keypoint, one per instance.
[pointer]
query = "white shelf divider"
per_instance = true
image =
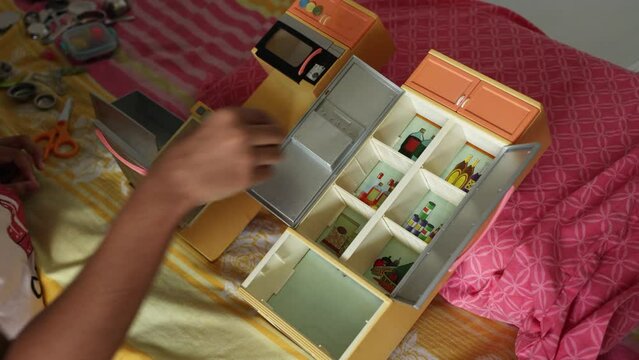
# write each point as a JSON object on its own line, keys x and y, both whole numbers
{"x": 353, "y": 202}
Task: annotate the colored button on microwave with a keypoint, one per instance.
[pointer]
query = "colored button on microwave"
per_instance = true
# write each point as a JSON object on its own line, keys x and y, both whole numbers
{"x": 310, "y": 6}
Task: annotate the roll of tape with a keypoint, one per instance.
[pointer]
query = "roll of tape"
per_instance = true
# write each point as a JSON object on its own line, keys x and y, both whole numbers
{"x": 22, "y": 91}
{"x": 45, "y": 101}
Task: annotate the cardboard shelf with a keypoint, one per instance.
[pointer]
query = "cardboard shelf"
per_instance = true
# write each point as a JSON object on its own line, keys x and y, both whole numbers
{"x": 424, "y": 190}
{"x": 304, "y": 290}
{"x": 388, "y": 242}
{"x": 398, "y": 161}
{"x": 352, "y": 201}
{"x": 461, "y": 148}
{"x": 373, "y": 239}
{"x": 373, "y": 165}
{"x": 406, "y": 109}
{"x": 335, "y": 220}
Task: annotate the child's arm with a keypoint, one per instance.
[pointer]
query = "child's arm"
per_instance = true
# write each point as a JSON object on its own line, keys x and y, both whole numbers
{"x": 228, "y": 153}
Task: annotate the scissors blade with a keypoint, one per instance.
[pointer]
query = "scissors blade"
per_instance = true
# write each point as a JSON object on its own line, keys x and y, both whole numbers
{"x": 66, "y": 112}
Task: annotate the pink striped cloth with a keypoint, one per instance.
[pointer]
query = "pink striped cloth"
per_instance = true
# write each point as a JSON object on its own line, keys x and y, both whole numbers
{"x": 562, "y": 261}
{"x": 173, "y": 47}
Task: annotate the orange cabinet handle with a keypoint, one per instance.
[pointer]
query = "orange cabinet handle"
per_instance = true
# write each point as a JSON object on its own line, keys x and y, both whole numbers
{"x": 464, "y": 103}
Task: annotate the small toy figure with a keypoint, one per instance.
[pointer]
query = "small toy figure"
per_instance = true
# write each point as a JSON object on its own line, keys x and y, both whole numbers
{"x": 411, "y": 143}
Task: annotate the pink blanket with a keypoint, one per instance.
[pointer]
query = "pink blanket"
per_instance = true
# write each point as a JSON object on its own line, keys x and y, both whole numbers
{"x": 562, "y": 261}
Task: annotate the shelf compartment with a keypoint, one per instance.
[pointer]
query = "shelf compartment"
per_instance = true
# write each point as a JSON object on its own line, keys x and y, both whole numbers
{"x": 310, "y": 293}
{"x": 375, "y": 163}
{"x": 460, "y": 160}
{"x": 467, "y": 166}
{"x": 425, "y": 190}
{"x": 384, "y": 238}
{"x": 335, "y": 220}
{"x": 398, "y": 160}
{"x": 404, "y": 112}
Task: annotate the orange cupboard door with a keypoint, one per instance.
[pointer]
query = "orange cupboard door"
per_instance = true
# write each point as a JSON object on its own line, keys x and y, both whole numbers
{"x": 498, "y": 111}
{"x": 442, "y": 82}
{"x": 336, "y": 18}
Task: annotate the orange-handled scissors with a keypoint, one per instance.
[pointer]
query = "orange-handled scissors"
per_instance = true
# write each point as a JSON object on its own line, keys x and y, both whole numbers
{"x": 59, "y": 141}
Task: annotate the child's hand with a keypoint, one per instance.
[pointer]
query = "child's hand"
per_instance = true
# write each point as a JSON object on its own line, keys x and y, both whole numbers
{"x": 231, "y": 151}
{"x": 18, "y": 156}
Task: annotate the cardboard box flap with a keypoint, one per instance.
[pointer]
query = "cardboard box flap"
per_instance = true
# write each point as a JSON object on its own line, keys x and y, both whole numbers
{"x": 138, "y": 122}
{"x": 325, "y": 139}
{"x": 426, "y": 274}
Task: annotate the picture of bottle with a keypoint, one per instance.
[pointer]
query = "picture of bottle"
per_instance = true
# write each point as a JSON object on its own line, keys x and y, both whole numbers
{"x": 391, "y": 185}
{"x": 411, "y": 143}
{"x": 373, "y": 194}
{"x": 457, "y": 171}
{"x": 434, "y": 232}
{"x": 473, "y": 179}
{"x": 421, "y": 147}
{"x": 465, "y": 175}
{"x": 384, "y": 195}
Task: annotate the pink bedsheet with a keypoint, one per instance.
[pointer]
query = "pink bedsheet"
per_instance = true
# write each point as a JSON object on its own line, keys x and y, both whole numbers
{"x": 562, "y": 261}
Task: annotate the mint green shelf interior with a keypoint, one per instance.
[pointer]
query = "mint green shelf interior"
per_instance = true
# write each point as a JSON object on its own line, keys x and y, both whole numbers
{"x": 324, "y": 304}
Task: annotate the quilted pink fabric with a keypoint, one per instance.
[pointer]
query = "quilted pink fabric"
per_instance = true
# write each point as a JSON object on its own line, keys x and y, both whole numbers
{"x": 562, "y": 260}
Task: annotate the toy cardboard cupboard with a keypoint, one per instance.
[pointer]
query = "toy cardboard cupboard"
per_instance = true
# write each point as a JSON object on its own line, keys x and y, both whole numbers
{"x": 375, "y": 230}
{"x": 383, "y": 187}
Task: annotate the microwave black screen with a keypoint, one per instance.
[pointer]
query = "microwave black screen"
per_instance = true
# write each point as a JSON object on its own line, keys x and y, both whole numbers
{"x": 288, "y": 47}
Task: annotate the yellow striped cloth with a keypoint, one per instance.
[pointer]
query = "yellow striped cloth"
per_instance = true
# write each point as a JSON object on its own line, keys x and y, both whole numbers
{"x": 192, "y": 311}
